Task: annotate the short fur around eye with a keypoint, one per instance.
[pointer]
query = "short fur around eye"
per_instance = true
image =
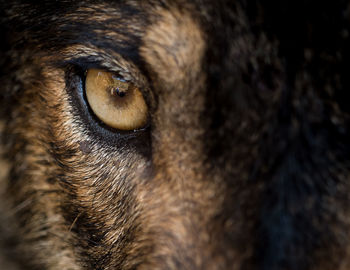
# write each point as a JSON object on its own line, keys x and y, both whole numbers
{"x": 116, "y": 102}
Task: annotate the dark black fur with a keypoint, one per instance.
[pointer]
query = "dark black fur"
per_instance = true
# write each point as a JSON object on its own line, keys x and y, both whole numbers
{"x": 276, "y": 123}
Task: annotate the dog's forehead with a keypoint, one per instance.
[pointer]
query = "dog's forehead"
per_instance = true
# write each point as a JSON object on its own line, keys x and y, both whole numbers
{"x": 249, "y": 146}
{"x": 173, "y": 45}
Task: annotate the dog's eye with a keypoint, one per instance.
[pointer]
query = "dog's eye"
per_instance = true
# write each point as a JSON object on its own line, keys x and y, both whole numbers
{"x": 116, "y": 102}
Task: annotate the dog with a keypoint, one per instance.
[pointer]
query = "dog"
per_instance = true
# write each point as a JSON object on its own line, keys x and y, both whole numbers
{"x": 160, "y": 134}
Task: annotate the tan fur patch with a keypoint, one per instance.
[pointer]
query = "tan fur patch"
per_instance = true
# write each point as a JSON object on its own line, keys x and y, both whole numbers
{"x": 173, "y": 46}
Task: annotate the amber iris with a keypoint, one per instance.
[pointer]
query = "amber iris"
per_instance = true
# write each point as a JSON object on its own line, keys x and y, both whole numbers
{"x": 116, "y": 102}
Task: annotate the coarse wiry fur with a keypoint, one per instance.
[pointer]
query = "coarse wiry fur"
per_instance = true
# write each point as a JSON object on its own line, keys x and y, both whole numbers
{"x": 244, "y": 164}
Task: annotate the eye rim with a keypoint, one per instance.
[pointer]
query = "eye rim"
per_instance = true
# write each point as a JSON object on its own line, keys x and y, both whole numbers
{"x": 90, "y": 125}
{"x": 136, "y": 71}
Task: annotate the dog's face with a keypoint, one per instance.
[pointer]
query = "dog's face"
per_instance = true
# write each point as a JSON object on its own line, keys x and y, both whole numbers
{"x": 177, "y": 134}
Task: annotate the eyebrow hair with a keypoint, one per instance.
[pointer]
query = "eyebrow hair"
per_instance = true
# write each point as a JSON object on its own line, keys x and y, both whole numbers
{"x": 91, "y": 25}
{"x": 127, "y": 48}
{"x": 99, "y": 58}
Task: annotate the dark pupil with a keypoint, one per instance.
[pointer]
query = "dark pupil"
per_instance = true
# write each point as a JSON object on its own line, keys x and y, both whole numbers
{"x": 119, "y": 92}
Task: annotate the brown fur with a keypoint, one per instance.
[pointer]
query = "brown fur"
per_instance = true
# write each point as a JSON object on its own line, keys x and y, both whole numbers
{"x": 244, "y": 163}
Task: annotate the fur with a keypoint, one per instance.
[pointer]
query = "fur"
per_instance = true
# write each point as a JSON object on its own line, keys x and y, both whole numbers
{"x": 245, "y": 161}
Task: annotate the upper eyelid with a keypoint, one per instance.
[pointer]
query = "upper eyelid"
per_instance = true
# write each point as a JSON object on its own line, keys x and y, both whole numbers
{"x": 86, "y": 63}
{"x": 91, "y": 56}
{"x": 83, "y": 63}
{"x": 127, "y": 65}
